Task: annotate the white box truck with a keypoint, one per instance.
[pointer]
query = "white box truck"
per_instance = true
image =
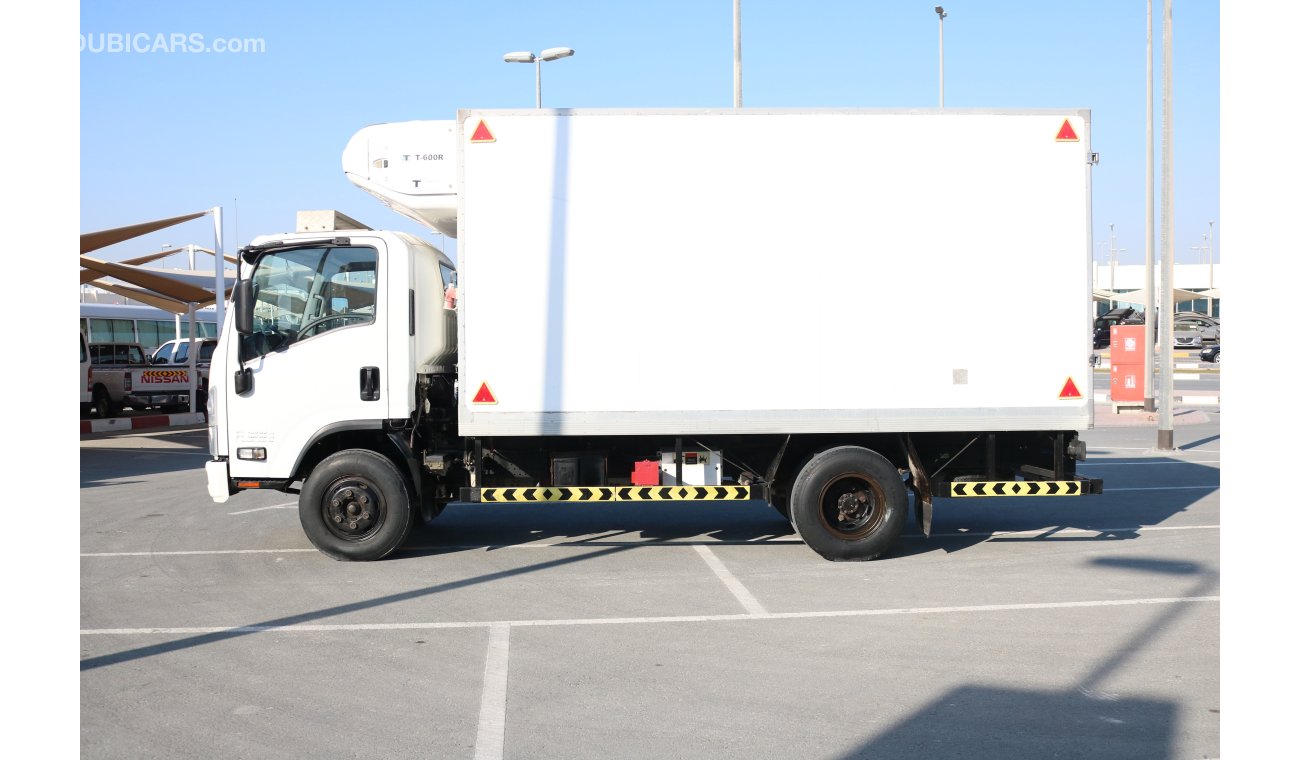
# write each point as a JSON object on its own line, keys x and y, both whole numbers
{"x": 816, "y": 296}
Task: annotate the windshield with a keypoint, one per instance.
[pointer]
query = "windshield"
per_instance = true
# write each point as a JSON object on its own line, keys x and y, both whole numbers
{"x": 305, "y": 292}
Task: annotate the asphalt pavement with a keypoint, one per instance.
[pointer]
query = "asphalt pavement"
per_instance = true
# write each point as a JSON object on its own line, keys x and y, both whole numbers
{"x": 1023, "y": 627}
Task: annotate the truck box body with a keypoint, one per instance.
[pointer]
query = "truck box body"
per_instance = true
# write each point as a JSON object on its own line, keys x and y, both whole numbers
{"x": 773, "y": 271}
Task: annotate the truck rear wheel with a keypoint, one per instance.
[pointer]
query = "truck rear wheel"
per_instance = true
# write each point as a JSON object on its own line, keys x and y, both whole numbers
{"x": 355, "y": 505}
{"x": 849, "y": 503}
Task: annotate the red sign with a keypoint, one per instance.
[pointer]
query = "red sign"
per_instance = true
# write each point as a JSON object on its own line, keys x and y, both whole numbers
{"x": 484, "y": 395}
{"x": 1070, "y": 390}
{"x": 484, "y": 135}
{"x": 1066, "y": 133}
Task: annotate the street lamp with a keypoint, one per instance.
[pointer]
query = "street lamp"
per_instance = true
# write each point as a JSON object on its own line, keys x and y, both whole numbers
{"x": 549, "y": 54}
{"x": 942, "y": 15}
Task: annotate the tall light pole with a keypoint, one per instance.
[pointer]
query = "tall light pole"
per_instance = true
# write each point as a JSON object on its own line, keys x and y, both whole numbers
{"x": 1165, "y": 423}
{"x": 549, "y": 54}
{"x": 942, "y": 15}
{"x": 1211, "y": 244}
{"x": 1149, "y": 330}
{"x": 737, "y": 100}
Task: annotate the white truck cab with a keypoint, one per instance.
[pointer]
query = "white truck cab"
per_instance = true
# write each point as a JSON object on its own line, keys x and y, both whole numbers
{"x": 338, "y": 330}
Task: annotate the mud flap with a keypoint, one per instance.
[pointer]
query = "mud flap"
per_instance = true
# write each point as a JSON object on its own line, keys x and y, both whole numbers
{"x": 920, "y": 485}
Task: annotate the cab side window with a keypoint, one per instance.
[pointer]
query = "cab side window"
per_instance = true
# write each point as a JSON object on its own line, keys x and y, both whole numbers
{"x": 303, "y": 293}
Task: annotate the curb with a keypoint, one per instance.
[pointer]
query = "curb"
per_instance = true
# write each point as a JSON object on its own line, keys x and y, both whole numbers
{"x": 136, "y": 423}
{"x": 1187, "y": 398}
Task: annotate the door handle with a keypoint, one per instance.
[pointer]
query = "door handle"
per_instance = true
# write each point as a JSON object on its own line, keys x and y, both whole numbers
{"x": 369, "y": 383}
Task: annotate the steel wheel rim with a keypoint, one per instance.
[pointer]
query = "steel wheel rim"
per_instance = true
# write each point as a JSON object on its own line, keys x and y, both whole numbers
{"x": 852, "y": 506}
{"x": 353, "y": 508}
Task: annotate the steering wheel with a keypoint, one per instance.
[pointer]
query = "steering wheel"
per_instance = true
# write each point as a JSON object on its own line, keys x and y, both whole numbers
{"x": 306, "y": 329}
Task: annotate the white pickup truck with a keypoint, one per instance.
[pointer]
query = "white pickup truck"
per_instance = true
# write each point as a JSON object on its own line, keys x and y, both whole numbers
{"x": 124, "y": 377}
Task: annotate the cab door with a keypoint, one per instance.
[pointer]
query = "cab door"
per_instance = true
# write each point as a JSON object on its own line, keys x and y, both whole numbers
{"x": 317, "y": 354}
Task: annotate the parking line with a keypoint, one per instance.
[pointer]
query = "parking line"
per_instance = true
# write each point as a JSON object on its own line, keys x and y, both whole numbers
{"x": 286, "y": 505}
{"x": 491, "y": 741}
{"x": 732, "y": 583}
{"x": 897, "y": 611}
{"x": 1148, "y": 464}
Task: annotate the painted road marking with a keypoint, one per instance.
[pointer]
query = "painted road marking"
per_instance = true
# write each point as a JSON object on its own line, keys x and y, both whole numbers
{"x": 288, "y": 505}
{"x": 732, "y": 583}
{"x": 491, "y": 741}
{"x": 343, "y": 627}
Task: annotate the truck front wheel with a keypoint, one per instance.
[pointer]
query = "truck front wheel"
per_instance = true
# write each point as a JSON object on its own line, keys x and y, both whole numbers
{"x": 849, "y": 503}
{"x": 355, "y": 505}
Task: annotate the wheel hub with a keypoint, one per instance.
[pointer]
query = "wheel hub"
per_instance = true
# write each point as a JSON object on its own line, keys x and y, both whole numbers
{"x": 352, "y": 508}
{"x": 851, "y": 507}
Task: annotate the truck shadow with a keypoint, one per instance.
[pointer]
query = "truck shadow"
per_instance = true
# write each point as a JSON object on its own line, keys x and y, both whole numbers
{"x": 1136, "y": 497}
{"x": 958, "y": 524}
{"x": 632, "y": 524}
{"x": 1080, "y": 721}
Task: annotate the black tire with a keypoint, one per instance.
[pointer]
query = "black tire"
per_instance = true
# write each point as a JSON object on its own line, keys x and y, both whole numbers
{"x": 355, "y": 505}
{"x": 101, "y": 404}
{"x": 849, "y": 503}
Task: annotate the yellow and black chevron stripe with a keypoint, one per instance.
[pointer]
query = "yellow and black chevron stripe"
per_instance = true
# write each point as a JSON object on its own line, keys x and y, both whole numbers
{"x": 1020, "y": 488}
{"x": 605, "y": 493}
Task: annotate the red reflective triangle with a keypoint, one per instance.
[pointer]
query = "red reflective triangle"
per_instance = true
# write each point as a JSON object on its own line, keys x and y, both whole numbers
{"x": 1070, "y": 390}
{"x": 1066, "y": 133}
{"x": 484, "y": 395}
{"x": 482, "y": 134}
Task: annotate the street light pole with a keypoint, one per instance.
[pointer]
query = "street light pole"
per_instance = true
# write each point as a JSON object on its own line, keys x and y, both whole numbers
{"x": 550, "y": 54}
{"x": 1112, "y": 257}
{"x": 737, "y": 99}
{"x": 1165, "y": 423}
{"x": 1211, "y": 244}
{"x": 1149, "y": 329}
{"x": 942, "y": 15}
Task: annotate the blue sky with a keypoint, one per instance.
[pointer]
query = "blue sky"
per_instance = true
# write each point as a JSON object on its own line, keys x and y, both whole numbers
{"x": 169, "y": 133}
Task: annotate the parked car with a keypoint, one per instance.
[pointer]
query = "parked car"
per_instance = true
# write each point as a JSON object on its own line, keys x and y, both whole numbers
{"x": 1210, "y": 353}
{"x": 116, "y": 354}
{"x": 1193, "y": 330}
{"x": 177, "y": 351}
{"x": 1101, "y": 326}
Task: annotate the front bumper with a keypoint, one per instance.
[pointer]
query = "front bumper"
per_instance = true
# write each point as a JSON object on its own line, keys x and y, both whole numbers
{"x": 218, "y": 472}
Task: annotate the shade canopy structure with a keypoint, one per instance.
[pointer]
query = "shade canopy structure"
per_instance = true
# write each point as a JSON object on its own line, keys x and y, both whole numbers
{"x": 172, "y": 290}
{"x": 1140, "y": 296}
{"x": 145, "y": 297}
{"x": 93, "y": 241}
{"x": 185, "y": 288}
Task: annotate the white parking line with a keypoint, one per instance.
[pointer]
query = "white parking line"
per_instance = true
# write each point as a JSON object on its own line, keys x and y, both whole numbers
{"x": 200, "y": 552}
{"x": 1147, "y": 464}
{"x": 344, "y": 627}
{"x": 732, "y": 583}
{"x": 1166, "y": 488}
{"x": 287, "y": 505}
{"x": 491, "y": 741}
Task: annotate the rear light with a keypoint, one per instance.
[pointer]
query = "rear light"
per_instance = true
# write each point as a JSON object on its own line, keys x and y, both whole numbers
{"x": 90, "y": 373}
{"x": 126, "y": 382}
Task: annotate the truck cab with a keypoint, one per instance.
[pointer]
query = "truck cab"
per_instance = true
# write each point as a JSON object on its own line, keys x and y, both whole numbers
{"x": 329, "y": 337}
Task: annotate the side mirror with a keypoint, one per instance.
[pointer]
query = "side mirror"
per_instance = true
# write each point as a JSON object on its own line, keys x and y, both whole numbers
{"x": 243, "y": 381}
{"x": 243, "y": 303}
